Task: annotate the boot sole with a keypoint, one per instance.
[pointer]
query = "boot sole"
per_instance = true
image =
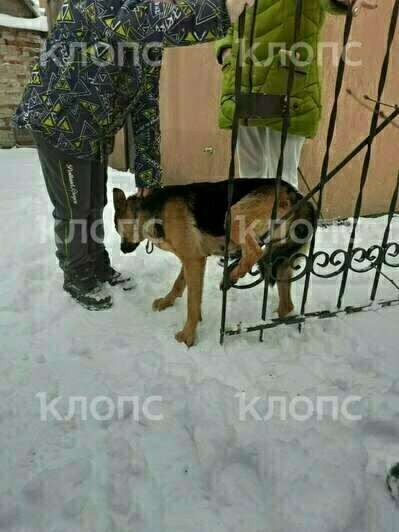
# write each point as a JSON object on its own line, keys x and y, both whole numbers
{"x": 105, "y": 305}
{"x": 130, "y": 285}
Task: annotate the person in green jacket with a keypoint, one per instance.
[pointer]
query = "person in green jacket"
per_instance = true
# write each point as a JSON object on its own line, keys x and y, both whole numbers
{"x": 270, "y": 38}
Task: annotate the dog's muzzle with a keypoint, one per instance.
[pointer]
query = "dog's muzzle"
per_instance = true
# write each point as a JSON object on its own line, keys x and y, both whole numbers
{"x": 128, "y": 247}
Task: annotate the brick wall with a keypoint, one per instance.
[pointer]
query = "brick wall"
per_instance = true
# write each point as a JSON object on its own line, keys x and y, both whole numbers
{"x": 18, "y": 51}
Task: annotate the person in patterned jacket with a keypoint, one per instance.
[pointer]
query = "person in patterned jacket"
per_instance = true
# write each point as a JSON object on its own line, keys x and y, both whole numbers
{"x": 95, "y": 70}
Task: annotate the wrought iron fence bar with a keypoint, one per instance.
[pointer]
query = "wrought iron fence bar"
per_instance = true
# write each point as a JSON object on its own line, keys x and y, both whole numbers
{"x": 385, "y": 240}
{"x": 302, "y": 176}
{"x": 228, "y": 236}
{"x": 228, "y": 230}
{"x": 373, "y": 128}
{"x": 330, "y": 137}
{"x": 361, "y": 146}
{"x": 388, "y": 279}
{"x": 234, "y": 137}
{"x": 280, "y": 167}
{"x": 245, "y": 109}
{"x": 324, "y": 314}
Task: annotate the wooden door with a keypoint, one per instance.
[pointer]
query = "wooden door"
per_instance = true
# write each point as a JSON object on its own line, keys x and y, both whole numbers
{"x": 194, "y": 149}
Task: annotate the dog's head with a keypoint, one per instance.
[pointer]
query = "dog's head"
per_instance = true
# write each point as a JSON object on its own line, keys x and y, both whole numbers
{"x": 127, "y": 220}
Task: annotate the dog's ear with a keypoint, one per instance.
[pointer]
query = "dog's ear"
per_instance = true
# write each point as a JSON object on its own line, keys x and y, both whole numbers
{"x": 119, "y": 199}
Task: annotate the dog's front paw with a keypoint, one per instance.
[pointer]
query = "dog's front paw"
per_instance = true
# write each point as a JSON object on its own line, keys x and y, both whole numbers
{"x": 187, "y": 336}
{"x": 284, "y": 310}
{"x": 161, "y": 304}
{"x": 239, "y": 271}
{"x": 235, "y": 275}
{"x": 229, "y": 284}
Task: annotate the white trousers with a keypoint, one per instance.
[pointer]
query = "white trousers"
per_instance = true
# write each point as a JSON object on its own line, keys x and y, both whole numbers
{"x": 259, "y": 150}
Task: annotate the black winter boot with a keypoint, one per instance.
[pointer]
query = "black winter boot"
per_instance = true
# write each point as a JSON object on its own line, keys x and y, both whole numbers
{"x": 87, "y": 290}
{"x": 114, "y": 278}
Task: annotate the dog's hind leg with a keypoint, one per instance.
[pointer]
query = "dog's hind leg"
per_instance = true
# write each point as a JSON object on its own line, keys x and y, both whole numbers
{"x": 283, "y": 276}
{"x": 194, "y": 269}
{"x": 243, "y": 233}
{"x": 250, "y": 219}
{"x": 177, "y": 291}
{"x": 202, "y": 285}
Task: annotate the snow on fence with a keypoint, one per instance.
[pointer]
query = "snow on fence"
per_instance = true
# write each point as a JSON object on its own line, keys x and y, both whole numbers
{"x": 321, "y": 264}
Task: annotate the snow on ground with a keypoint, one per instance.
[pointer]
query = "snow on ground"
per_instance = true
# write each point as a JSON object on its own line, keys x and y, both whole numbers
{"x": 199, "y": 467}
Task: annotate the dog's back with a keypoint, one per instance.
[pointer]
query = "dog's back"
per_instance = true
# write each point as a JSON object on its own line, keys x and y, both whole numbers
{"x": 208, "y": 202}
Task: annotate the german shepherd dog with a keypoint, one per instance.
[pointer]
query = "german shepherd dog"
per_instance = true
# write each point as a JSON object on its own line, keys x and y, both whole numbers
{"x": 189, "y": 221}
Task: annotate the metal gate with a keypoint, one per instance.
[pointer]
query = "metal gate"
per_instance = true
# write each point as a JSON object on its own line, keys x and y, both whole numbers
{"x": 354, "y": 259}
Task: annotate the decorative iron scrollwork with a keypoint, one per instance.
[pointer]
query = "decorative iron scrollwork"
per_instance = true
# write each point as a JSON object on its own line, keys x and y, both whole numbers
{"x": 394, "y": 254}
{"x": 361, "y": 260}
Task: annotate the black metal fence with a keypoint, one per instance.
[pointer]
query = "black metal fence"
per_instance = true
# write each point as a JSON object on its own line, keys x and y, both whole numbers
{"x": 354, "y": 259}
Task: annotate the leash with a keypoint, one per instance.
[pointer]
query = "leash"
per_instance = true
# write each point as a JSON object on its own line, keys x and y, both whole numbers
{"x": 149, "y": 247}
{"x": 396, "y": 106}
{"x": 381, "y": 113}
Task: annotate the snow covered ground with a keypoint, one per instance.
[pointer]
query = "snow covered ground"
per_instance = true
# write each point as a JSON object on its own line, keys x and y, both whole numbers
{"x": 207, "y": 464}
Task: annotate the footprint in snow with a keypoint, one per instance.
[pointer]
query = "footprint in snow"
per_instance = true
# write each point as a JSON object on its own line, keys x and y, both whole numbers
{"x": 393, "y": 482}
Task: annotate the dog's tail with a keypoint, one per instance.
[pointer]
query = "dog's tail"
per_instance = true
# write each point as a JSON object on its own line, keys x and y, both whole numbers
{"x": 302, "y": 227}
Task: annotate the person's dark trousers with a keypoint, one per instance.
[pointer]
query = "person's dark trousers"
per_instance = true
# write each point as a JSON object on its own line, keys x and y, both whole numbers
{"x": 78, "y": 192}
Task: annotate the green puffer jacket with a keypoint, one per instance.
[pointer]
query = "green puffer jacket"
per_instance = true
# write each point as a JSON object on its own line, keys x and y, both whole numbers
{"x": 268, "y": 73}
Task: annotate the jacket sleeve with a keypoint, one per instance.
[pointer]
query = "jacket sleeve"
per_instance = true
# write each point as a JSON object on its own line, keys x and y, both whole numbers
{"x": 226, "y": 42}
{"x": 335, "y": 7}
{"x": 147, "y": 133}
{"x": 182, "y": 23}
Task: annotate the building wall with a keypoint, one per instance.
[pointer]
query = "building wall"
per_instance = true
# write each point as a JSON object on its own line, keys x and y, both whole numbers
{"x": 18, "y": 51}
{"x": 15, "y": 8}
{"x": 370, "y": 31}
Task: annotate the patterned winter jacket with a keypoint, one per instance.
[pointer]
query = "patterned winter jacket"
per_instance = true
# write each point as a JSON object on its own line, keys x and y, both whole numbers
{"x": 97, "y": 68}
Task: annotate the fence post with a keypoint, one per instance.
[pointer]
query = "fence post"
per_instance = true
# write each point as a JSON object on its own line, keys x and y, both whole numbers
{"x": 385, "y": 240}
